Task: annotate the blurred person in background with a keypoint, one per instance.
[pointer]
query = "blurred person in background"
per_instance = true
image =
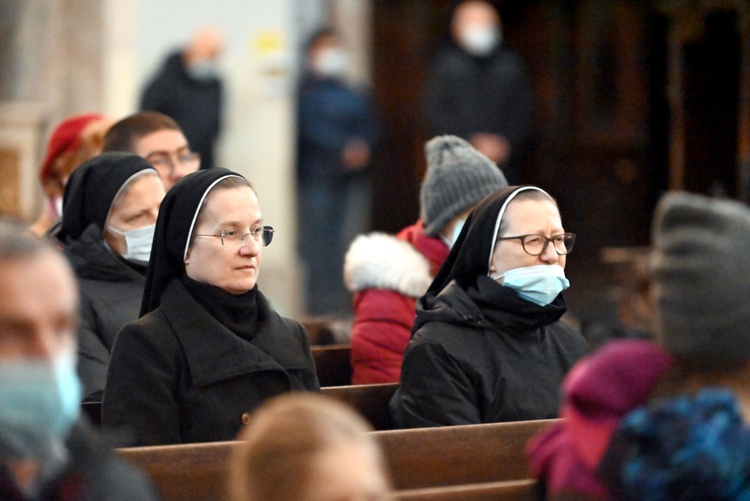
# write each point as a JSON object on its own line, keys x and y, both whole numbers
{"x": 479, "y": 89}
{"x": 157, "y": 138}
{"x": 74, "y": 140}
{"x": 388, "y": 273}
{"x": 337, "y": 129}
{"x": 189, "y": 89}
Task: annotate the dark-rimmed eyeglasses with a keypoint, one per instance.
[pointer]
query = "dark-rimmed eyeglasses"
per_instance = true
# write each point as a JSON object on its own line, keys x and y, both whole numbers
{"x": 232, "y": 239}
{"x": 535, "y": 245}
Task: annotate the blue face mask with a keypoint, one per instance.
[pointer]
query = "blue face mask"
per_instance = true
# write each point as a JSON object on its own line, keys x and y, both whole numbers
{"x": 41, "y": 400}
{"x": 138, "y": 241}
{"x": 539, "y": 284}
{"x": 204, "y": 70}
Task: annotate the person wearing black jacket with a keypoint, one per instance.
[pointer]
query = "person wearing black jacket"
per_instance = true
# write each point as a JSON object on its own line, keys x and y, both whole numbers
{"x": 110, "y": 207}
{"x": 488, "y": 344}
{"x": 208, "y": 347}
{"x": 478, "y": 88}
{"x": 188, "y": 89}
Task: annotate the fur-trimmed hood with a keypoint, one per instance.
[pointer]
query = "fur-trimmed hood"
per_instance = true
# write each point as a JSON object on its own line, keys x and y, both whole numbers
{"x": 382, "y": 261}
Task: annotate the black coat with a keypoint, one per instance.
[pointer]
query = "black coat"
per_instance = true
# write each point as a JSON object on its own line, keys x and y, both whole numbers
{"x": 111, "y": 293}
{"x": 468, "y": 94}
{"x": 93, "y": 473}
{"x": 177, "y": 375}
{"x": 481, "y": 356}
{"x": 195, "y": 105}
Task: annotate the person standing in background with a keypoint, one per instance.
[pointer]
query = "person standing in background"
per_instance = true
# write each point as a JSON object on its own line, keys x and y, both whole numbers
{"x": 188, "y": 89}
{"x": 337, "y": 129}
{"x": 478, "y": 89}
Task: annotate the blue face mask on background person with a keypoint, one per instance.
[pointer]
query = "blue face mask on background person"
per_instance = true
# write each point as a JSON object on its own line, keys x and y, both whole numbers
{"x": 204, "y": 70}
{"x": 40, "y": 402}
{"x": 539, "y": 284}
{"x": 138, "y": 241}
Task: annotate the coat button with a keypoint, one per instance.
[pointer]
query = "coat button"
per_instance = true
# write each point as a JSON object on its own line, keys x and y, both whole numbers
{"x": 245, "y": 417}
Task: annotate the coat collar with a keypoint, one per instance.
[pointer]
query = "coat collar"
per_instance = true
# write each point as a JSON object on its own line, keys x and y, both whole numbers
{"x": 214, "y": 353}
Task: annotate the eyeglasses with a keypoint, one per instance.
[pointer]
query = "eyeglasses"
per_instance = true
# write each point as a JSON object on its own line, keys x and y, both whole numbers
{"x": 234, "y": 240}
{"x": 537, "y": 244}
{"x": 166, "y": 161}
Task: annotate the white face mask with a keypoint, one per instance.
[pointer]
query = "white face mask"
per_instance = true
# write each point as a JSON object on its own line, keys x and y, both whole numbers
{"x": 480, "y": 40}
{"x": 539, "y": 284}
{"x": 138, "y": 242}
{"x": 450, "y": 242}
{"x": 332, "y": 62}
{"x": 56, "y": 206}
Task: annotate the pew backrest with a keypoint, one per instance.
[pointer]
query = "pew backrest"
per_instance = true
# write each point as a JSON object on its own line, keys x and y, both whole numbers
{"x": 455, "y": 455}
{"x": 185, "y": 472}
{"x": 332, "y": 364}
{"x": 370, "y": 400}
{"x": 511, "y": 490}
{"x": 417, "y": 459}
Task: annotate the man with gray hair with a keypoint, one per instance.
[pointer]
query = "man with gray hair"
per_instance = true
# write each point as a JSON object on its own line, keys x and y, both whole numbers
{"x": 46, "y": 450}
{"x": 388, "y": 273}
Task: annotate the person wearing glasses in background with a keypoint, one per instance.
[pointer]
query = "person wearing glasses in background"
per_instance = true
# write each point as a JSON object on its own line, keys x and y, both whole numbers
{"x": 157, "y": 138}
{"x": 488, "y": 344}
{"x": 208, "y": 347}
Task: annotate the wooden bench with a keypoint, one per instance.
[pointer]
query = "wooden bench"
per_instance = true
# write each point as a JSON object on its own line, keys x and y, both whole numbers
{"x": 511, "y": 490}
{"x": 455, "y": 455}
{"x": 319, "y": 329}
{"x": 417, "y": 459}
{"x": 333, "y": 365}
{"x": 370, "y": 400}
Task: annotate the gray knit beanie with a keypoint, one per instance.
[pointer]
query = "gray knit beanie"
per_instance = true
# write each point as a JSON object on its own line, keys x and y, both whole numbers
{"x": 457, "y": 178}
{"x": 701, "y": 280}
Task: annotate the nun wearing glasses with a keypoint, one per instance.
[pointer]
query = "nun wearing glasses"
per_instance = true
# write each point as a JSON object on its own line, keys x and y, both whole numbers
{"x": 488, "y": 344}
{"x": 208, "y": 348}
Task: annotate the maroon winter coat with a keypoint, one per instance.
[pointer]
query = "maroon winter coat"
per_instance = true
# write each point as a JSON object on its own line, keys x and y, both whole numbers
{"x": 387, "y": 274}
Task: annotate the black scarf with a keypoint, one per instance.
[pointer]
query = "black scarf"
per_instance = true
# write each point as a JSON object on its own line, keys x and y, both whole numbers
{"x": 92, "y": 188}
{"x": 174, "y": 226}
{"x": 236, "y": 312}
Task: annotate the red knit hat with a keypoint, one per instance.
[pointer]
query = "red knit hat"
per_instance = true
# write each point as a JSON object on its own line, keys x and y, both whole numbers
{"x": 66, "y": 137}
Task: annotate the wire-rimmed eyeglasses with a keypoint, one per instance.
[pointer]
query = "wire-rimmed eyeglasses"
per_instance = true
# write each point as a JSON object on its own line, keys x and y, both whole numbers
{"x": 535, "y": 245}
{"x": 235, "y": 239}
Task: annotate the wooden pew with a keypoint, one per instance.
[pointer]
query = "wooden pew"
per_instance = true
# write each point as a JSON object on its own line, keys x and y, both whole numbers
{"x": 511, "y": 490}
{"x": 370, "y": 400}
{"x": 455, "y": 455}
{"x": 417, "y": 459}
{"x": 319, "y": 329}
{"x": 333, "y": 365}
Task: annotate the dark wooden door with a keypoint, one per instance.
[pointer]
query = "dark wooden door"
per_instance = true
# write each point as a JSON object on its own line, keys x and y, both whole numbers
{"x": 600, "y": 140}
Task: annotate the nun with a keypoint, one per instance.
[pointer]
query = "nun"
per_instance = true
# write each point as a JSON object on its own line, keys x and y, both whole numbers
{"x": 110, "y": 207}
{"x": 208, "y": 348}
{"x": 488, "y": 344}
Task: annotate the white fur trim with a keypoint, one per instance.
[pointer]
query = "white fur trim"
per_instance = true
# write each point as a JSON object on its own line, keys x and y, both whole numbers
{"x": 382, "y": 261}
